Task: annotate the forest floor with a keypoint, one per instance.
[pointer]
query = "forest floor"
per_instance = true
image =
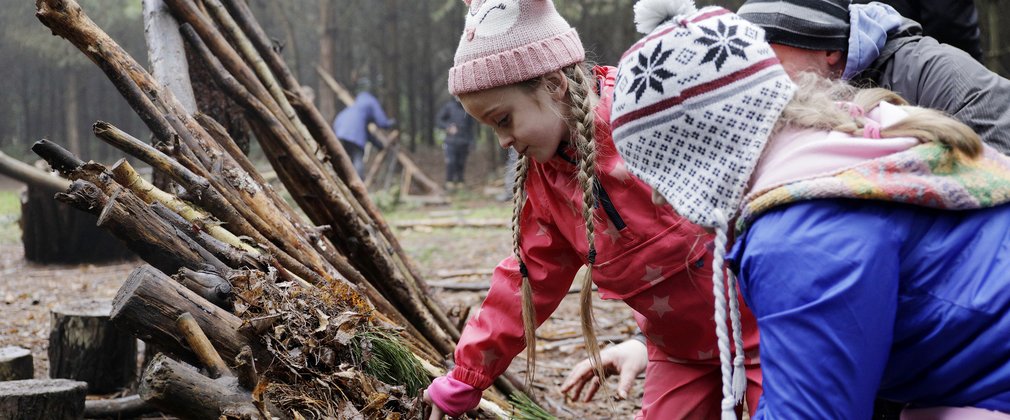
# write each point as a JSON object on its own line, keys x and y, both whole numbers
{"x": 29, "y": 291}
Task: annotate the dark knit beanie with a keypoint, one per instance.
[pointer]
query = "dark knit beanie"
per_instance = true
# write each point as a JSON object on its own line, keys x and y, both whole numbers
{"x": 821, "y": 25}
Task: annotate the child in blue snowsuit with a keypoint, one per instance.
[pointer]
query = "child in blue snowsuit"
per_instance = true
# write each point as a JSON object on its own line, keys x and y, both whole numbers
{"x": 871, "y": 238}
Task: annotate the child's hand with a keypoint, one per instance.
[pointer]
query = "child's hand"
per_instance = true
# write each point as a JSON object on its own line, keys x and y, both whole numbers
{"x": 436, "y": 413}
{"x": 627, "y": 359}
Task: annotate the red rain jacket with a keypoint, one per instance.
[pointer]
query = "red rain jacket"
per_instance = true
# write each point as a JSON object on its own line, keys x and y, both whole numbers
{"x": 647, "y": 255}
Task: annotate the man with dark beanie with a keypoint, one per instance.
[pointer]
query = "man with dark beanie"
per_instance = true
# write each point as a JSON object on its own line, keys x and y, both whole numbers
{"x": 872, "y": 45}
{"x": 953, "y": 22}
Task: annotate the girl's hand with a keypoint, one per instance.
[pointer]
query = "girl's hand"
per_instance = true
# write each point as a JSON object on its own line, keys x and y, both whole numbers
{"x": 627, "y": 359}
{"x": 436, "y": 413}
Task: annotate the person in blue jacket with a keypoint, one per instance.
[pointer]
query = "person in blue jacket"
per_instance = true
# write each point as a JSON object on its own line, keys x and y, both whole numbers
{"x": 871, "y": 238}
{"x": 351, "y": 124}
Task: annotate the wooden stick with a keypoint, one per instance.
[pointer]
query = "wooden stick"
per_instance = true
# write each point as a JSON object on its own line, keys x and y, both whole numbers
{"x": 31, "y": 175}
{"x": 125, "y": 175}
{"x": 124, "y": 407}
{"x": 200, "y": 345}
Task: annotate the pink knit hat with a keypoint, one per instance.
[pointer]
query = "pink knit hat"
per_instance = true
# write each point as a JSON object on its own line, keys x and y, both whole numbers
{"x": 509, "y": 41}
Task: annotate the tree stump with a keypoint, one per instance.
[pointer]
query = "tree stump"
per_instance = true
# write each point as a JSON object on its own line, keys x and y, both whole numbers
{"x": 85, "y": 346}
{"x": 16, "y": 363}
{"x": 53, "y": 232}
{"x": 56, "y": 399}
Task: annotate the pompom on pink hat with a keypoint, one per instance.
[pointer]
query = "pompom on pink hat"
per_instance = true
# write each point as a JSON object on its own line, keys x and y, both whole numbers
{"x": 510, "y": 41}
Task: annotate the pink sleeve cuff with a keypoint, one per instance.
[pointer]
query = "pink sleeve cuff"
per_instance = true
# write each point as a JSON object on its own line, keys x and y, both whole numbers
{"x": 452, "y": 396}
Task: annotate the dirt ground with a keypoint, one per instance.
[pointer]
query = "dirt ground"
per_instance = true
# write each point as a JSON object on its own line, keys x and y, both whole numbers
{"x": 29, "y": 291}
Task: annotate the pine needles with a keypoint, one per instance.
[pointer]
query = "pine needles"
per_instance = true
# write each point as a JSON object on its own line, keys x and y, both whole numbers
{"x": 382, "y": 355}
{"x": 523, "y": 408}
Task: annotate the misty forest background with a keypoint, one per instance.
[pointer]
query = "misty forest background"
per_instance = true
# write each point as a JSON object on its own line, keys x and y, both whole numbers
{"x": 49, "y": 90}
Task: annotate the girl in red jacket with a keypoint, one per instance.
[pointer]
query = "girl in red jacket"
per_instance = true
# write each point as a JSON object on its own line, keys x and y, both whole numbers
{"x": 519, "y": 69}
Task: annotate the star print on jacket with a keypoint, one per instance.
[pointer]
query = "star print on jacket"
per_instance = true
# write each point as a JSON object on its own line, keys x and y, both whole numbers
{"x": 661, "y": 305}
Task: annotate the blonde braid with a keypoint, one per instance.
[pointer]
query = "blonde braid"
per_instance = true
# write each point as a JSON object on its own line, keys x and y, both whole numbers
{"x": 528, "y": 310}
{"x": 814, "y": 106}
{"x": 582, "y": 118}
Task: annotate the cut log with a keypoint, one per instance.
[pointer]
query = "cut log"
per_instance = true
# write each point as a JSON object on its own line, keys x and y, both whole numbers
{"x": 84, "y": 346}
{"x": 117, "y": 408}
{"x": 180, "y": 390}
{"x": 55, "y": 399}
{"x": 149, "y": 303}
{"x": 16, "y": 364}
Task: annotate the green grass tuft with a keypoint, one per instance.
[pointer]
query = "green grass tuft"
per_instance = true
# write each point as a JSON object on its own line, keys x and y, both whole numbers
{"x": 523, "y": 408}
{"x": 382, "y": 355}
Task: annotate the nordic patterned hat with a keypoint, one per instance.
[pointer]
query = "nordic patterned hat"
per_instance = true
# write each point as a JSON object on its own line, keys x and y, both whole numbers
{"x": 509, "y": 41}
{"x": 694, "y": 104}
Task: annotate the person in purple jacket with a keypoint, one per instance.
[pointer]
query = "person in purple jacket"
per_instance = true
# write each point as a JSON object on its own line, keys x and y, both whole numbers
{"x": 870, "y": 237}
{"x": 351, "y": 124}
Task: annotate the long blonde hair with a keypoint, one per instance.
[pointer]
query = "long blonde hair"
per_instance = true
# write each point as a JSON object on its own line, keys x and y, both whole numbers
{"x": 579, "y": 119}
{"x": 815, "y": 105}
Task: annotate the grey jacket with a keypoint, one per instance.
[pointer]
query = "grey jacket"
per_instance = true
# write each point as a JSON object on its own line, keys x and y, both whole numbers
{"x": 939, "y": 76}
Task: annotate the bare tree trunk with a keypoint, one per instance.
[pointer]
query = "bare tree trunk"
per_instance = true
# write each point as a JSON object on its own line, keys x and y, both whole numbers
{"x": 71, "y": 111}
{"x": 167, "y": 54}
{"x": 327, "y": 40}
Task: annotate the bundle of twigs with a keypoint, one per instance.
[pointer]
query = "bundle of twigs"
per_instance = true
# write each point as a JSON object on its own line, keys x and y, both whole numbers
{"x": 318, "y": 317}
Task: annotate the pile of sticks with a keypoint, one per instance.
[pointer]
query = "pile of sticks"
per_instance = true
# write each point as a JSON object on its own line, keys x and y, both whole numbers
{"x": 315, "y": 315}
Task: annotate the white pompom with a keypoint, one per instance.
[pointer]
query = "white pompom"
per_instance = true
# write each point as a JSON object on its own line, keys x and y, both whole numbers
{"x": 651, "y": 13}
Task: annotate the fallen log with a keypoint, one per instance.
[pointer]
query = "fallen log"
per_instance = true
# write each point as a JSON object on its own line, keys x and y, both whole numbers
{"x": 175, "y": 388}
